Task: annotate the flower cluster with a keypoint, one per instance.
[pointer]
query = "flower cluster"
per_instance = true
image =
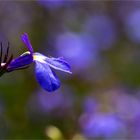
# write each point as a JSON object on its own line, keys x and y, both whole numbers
{"x": 45, "y": 76}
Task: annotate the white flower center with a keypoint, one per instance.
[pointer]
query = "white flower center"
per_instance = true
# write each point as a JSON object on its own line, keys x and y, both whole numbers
{"x": 40, "y": 58}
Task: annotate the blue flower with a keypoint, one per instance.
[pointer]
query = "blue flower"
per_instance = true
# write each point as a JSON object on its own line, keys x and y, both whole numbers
{"x": 102, "y": 125}
{"x": 45, "y": 76}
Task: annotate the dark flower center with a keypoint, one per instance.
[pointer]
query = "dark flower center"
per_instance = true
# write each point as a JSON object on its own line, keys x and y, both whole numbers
{"x": 5, "y": 59}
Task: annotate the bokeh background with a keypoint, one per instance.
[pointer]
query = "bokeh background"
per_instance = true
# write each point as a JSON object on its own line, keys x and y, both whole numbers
{"x": 101, "y": 99}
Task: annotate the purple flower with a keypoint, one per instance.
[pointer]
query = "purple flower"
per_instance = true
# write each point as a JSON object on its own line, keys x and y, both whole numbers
{"x": 61, "y": 102}
{"x": 102, "y": 30}
{"x": 44, "y": 75}
{"x": 73, "y": 46}
{"x": 104, "y": 125}
{"x": 53, "y": 4}
{"x": 132, "y": 21}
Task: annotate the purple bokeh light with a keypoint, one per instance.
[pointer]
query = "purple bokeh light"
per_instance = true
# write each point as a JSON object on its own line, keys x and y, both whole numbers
{"x": 53, "y": 4}
{"x": 132, "y": 22}
{"x": 58, "y": 102}
{"x": 78, "y": 49}
{"x": 102, "y": 29}
{"x": 104, "y": 125}
{"x": 90, "y": 105}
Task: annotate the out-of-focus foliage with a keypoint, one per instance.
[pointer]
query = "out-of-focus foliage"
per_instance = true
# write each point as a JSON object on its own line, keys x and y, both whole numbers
{"x": 101, "y": 99}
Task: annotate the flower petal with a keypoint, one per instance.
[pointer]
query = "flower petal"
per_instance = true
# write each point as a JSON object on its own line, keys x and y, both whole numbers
{"x": 26, "y": 41}
{"x": 56, "y": 63}
{"x": 46, "y": 77}
{"x": 20, "y": 62}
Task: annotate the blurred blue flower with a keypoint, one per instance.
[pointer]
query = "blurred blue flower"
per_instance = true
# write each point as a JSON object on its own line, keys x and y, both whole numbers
{"x": 59, "y": 101}
{"x": 102, "y": 30}
{"x": 45, "y": 76}
{"x": 78, "y": 48}
{"x": 102, "y": 125}
{"x": 132, "y": 22}
{"x": 53, "y": 4}
{"x": 90, "y": 105}
{"x": 124, "y": 104}
{"x": 59, "y": 104}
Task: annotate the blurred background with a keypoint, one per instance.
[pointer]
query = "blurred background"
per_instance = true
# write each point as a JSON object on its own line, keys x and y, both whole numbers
{"x": 101, "y": 42}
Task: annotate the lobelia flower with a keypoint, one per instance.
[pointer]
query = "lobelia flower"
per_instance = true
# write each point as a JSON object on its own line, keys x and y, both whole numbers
{"x": 44, "y": 75}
